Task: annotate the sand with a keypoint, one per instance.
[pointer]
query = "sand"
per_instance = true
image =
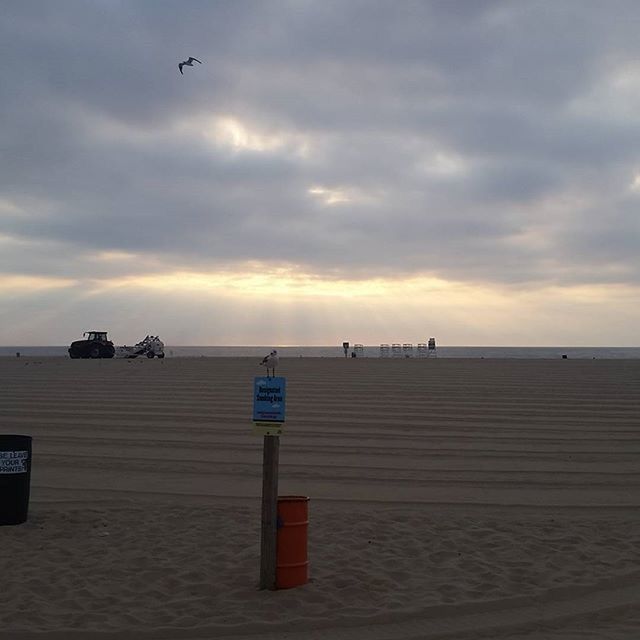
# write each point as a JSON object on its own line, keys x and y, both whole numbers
{"x": 449, "y": 499}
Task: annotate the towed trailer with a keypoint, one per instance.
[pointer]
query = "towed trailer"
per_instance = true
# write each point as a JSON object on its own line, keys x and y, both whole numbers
{"x": 151, "y": 347}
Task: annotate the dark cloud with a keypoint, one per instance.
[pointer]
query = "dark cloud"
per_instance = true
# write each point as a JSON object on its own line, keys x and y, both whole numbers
{"x": 449, "y": 128}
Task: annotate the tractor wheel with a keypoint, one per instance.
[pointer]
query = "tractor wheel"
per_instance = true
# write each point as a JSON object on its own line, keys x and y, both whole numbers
{"x": 149, "y": 354}
{"x": 95, "y": 352}
{"x": 161, "y": 355}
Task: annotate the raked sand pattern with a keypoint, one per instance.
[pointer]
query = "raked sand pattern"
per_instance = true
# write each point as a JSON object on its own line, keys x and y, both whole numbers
{"x": 449, "y": 499}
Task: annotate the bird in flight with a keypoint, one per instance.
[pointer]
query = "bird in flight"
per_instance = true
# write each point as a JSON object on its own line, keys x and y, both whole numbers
{"x": 271, "y": 362}
{"x": 188, "y": 62}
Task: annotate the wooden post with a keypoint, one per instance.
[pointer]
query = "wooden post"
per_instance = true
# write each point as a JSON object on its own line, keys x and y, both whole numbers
{"x": 269, "y": 512}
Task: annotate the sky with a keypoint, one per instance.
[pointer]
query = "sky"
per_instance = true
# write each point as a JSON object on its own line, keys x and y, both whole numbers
{"x": 360, "y": 170}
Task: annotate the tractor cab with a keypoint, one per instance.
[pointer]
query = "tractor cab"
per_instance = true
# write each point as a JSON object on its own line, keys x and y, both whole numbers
{"x": 96, "y": 336}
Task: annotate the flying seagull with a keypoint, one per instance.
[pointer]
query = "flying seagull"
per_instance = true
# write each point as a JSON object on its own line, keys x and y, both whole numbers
{"x": 188, "y": 62}
{"x": 271, "y": 362}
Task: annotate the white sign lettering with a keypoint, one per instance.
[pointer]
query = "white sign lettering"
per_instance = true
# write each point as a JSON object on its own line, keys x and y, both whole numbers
{"x": 13, "y": 461}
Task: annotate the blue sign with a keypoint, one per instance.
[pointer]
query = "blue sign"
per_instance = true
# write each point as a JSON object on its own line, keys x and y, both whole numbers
{"x": 269, "y": 396}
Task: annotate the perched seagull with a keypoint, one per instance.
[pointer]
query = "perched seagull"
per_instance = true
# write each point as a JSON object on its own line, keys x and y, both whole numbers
{"x": 271, "y": 362}
{"x": 188, "y": 62}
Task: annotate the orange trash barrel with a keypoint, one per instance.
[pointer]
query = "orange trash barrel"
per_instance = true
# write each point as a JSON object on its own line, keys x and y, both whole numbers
{"x": 292, "y": 566}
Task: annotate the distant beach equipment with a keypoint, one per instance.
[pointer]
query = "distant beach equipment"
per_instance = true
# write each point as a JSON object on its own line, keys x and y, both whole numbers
{"x": 396, "y": 350}
{"x": 384, "y": 350}
{"x": 407, "y": 350}
{"x": 150, "y": 346}
{"x": 358, "y": 349}
{"x": 422, "y": 350}
{"x": 431, "y": 348}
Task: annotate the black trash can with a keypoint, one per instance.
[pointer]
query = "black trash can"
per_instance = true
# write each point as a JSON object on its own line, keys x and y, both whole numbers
{"x": 15, "y": 478}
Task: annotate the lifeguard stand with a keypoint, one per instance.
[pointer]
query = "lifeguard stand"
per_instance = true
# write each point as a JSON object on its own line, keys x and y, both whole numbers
{"x": 407, "y": 350}
{"x": 358, "y": 349}
{"x": 422, "y": 350}
{"x": 384, "y": 350}
{"x": 431, "y": 348}
{"x": 396, "y": 350}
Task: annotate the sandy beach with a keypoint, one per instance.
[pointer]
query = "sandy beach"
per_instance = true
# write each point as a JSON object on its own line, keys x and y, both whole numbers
{"x": 449, "y": 499}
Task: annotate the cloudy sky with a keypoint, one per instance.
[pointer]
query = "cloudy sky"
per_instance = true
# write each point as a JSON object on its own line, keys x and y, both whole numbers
{"x": 360, "y": 170}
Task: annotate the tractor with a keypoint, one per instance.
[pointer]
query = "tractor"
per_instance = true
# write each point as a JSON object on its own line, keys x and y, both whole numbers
{"x": 96, "y": 345}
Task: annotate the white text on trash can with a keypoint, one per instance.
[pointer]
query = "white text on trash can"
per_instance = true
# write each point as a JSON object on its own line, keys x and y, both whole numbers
{"x": 13, "y": 461}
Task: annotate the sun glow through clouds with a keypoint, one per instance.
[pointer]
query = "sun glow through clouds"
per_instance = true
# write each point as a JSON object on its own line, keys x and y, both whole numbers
{"x": 283, "y": 282}
{"x": 329, "y": 196}
{"x": 231, "y": 133}
{"x": 25, "y": 284}
{"x": 341, "y": 195}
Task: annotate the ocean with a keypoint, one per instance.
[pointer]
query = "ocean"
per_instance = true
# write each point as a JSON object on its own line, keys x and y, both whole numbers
{"x": 605, "y": 353}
